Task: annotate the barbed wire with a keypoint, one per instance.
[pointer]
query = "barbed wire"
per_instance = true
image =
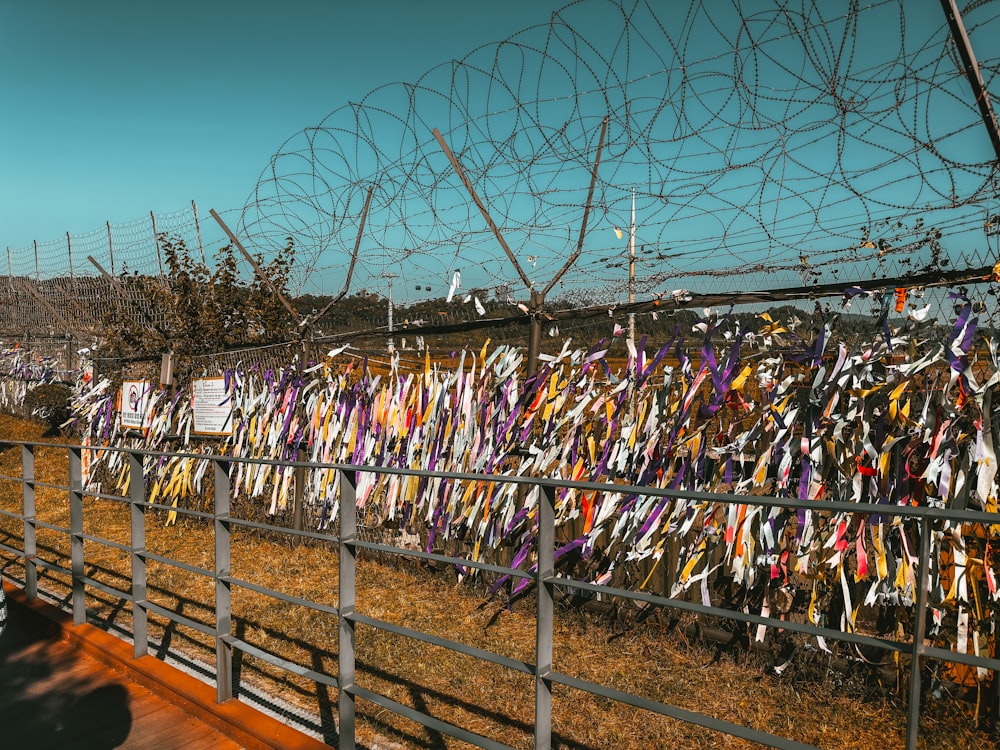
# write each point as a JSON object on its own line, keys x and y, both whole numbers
{"x": 798, "y": 144}
{"x": 755, "y": 140}
{"x": 68, "y": 285}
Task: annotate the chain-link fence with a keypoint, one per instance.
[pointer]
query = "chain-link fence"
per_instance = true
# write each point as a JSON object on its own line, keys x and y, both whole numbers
{"x": 67, "y": 286}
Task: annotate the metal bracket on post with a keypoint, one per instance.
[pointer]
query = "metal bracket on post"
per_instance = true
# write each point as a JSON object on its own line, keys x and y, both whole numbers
{"x": 30, "y": 537}
{"x": 223, "y": 589}
{"x": 76, "y": 534}
{"x": 347, "y": 592}
{"x": 545, "y": 548}
{"x": 137, "y": 514}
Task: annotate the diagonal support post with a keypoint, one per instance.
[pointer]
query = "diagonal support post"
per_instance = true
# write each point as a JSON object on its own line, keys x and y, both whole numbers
{"x": 586, "y": 210}
{"x": 354, "y": 260}
{"x": 972, "y": 72}
{"x": 256, "y": 267}
{"x": 482, "y": 208}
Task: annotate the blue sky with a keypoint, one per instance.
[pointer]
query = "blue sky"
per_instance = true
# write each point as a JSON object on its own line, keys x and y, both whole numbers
{"x": 751, "y": 142}
{"x": 113, "y": 108}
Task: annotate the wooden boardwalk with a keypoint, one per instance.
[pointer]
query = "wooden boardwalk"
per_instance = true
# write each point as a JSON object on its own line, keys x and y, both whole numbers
{"x": 78, "y": 688}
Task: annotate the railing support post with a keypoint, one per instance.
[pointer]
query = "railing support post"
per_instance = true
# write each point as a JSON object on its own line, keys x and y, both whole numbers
{"x": 298, "y": 496}
{"x": 347, "y": 589}
{"x": 545, "y": 541}
{"x": 223, "y": 589}
{"x": 30, "y": 538}
{"x": 76, "y": 534}
{"x": 919, "y": 632}
{"x": 137, "y": 514}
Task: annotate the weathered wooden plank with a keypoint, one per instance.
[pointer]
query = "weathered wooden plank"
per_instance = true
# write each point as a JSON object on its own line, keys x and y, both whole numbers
{"x": 54, "y": 696}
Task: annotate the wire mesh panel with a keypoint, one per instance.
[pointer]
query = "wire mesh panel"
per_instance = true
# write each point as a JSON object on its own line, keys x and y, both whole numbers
{"x": 134, "y": 247}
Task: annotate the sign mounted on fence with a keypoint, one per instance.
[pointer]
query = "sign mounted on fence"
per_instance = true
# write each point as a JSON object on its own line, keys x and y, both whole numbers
{"x": 134, "y": 404}
{"x": 212, "y": 407}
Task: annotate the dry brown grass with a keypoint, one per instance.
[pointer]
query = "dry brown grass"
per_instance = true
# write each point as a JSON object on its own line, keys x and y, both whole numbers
{"x": 652, "y": 661}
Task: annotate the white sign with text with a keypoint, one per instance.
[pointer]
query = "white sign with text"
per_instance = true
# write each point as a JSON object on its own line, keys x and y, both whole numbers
{"x": 212, "y": 407}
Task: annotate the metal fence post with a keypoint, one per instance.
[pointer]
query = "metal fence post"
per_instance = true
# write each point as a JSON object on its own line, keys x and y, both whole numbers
{"x": 111, "y": 248}
{"x": 30, "y": 538}
{"x": 299, "y": 474}
{"x": 223, "y": 589}
{"x": 919, "y": 631}
{"x": 137, "y": 512}
{"x": 545, "y": 542}
{"x": 156, "y": 249}
{"x": 76, "y": 534}
{"x": 197, "y": 228}
{"x": 345, "y": 607}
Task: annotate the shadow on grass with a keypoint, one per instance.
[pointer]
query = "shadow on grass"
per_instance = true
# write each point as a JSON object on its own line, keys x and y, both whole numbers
{"x": 175, "y": 640}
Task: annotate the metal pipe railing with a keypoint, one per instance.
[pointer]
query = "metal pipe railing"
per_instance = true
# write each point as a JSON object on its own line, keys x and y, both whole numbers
{"x": 348, "y": 544}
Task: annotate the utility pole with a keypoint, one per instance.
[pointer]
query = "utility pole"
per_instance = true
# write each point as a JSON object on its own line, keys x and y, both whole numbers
{"x": 631, "y": 273}
{"x": 391, "y": 343}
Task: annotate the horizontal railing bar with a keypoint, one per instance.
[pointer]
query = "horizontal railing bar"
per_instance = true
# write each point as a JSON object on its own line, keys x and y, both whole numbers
{"x": 106, "y": 542}
{"x": 245, "y": 523}
{"x": 248, "y": 524}
{"x": 828, "y": 506}
{"x": 325, "y": 608}
{"x": 446, "y": 559}
{"x": 177, "y": 618}
{"x": 428, "y": 721}
{"x": 944, "y": 654}
{"x": 730, "y": 614}
{"x": 176, "y": 563}
{"x": 684, "y": 500}
{"x": 277, "y": 661}
{"x": 105, "y": 588}
{"x": 683, "y": 714}
{"x": 478, "y": 653}
{"x": 306, "y": 534}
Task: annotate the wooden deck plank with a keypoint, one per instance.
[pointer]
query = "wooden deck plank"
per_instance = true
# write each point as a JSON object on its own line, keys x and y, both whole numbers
{"x": 54, "y": 696}
{"x": 173, "y": 709}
